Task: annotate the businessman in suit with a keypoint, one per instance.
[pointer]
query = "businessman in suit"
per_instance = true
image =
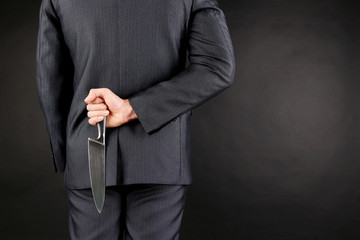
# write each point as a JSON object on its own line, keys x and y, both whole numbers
{"x": 125, "y": 59}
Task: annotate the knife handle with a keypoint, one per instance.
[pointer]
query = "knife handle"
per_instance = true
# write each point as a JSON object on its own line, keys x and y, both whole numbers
{"x": 101, "y": 130}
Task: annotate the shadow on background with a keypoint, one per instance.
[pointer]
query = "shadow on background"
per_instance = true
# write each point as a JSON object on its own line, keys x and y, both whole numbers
{"x": 274, "y": 157}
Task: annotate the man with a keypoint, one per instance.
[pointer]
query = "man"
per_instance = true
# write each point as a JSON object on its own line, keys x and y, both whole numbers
{"x": 126, "y": 60}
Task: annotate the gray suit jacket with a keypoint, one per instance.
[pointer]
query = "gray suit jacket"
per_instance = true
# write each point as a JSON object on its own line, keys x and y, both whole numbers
{"x": 138, "y": 49}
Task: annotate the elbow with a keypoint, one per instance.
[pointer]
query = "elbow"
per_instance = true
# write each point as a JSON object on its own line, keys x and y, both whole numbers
{"x": 228, "y": 72}
{"x": 223, "y": 71}
{"x": 230, "y": 66}
{"x": 231, "y": 73}
{"x": 226, "y": 68}
{"x": 221, "y": 67}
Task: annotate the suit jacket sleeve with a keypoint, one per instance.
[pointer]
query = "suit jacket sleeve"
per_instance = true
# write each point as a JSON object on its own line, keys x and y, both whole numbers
{"x": 211, "y": 70}
{"x": 54, "y": 76}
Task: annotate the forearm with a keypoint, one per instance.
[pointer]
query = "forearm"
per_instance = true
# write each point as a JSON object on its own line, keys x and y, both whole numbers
{"x": 211, "y": 71}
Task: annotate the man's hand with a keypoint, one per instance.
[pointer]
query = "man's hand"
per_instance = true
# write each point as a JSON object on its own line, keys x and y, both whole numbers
{"x": 103, "y": 102}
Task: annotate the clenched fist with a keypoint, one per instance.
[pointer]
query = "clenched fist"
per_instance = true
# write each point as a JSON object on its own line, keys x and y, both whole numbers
{"x": 103, "y": 102}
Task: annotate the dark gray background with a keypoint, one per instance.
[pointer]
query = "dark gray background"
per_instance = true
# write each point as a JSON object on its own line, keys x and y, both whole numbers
{"x": 276, "y": 156}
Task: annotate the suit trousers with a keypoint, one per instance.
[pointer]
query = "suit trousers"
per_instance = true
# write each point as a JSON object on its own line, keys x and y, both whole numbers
{"x": 130, "y": 212}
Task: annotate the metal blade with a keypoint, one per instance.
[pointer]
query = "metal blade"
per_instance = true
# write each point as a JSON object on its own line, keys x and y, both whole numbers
{"x": 96, "y": 156}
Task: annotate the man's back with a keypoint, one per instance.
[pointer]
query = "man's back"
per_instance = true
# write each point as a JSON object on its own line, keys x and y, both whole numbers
{"x": 136, "y": 48}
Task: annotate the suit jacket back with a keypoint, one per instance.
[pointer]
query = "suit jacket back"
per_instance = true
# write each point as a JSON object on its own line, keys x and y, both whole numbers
{"x": 136, "y": 48}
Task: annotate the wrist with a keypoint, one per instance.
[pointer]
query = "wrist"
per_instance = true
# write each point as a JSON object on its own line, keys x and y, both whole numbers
{"x": 130, "y": 113}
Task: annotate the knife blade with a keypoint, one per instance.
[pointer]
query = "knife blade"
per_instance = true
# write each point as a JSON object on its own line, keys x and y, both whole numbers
{"x": 96, "y": 158}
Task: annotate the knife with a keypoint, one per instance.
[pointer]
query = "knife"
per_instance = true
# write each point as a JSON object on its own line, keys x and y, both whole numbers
{"x": 96, "y": 157}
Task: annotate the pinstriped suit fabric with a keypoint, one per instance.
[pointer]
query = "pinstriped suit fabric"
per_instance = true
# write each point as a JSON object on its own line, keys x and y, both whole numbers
{"x": 137, "y": 48}
{"x": 150, "y": 212}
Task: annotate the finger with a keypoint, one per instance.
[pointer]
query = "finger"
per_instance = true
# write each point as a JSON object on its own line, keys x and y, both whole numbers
{"x": 97, "y": 113}
{"x": 98, "y": 100}
{"x": 96, "y": 92}
{"x": 95, "y": 100}
{"x": 90, "y": 97}
{"x": 96, "y": 107}
{"x": 95, "y": 120}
